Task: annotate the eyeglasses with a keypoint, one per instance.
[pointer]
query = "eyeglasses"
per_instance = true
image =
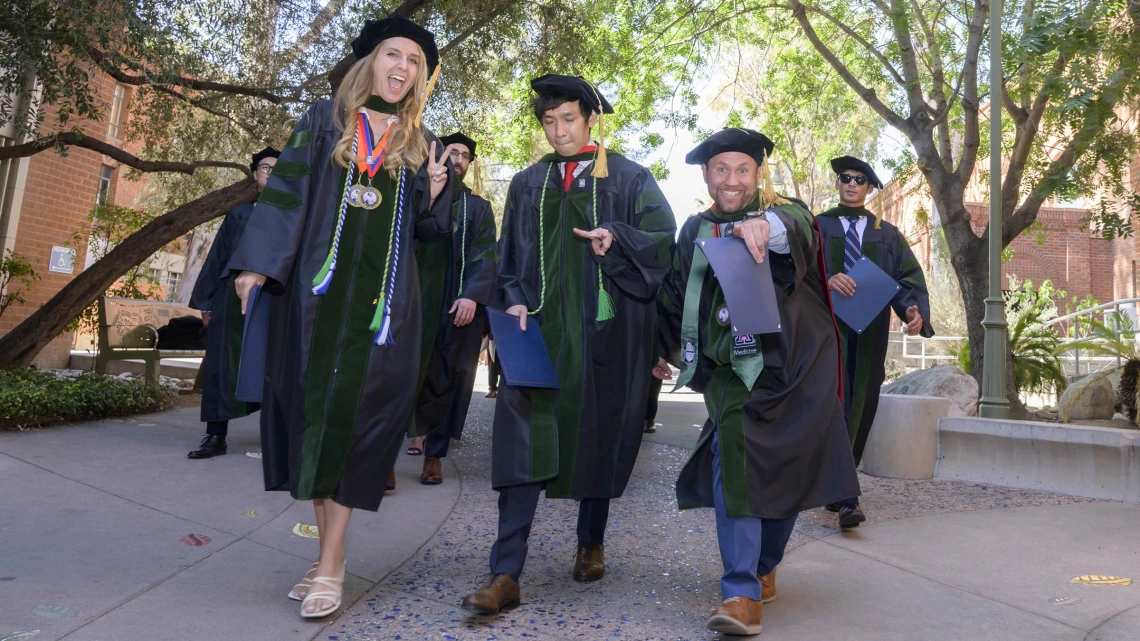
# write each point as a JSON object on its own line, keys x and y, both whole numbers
{"x": 265, "y": 168}
{"x": 847, "y": 178}
{"x": 461, "y": 154}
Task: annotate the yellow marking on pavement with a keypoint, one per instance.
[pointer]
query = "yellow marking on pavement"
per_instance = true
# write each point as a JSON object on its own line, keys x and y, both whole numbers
{"x": 1100, "y": 579}
{"x": 307, "y": 531}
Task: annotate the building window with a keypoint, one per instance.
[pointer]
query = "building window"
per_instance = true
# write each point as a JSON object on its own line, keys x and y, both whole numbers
{"x": 104, "y": 192}
{"x": 115, "y": 119}
{"x": 173, "y": 284}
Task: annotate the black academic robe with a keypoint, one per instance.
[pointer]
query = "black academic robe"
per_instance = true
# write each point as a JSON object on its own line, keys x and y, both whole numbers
{"x": 864, "y": 355}
{"x": 581, "y": 440}
{"x": 335, "y": 405}
{"x": 465, "y": 267}
{"x": 783, "y": 443}
{"x": 214, "y": 293}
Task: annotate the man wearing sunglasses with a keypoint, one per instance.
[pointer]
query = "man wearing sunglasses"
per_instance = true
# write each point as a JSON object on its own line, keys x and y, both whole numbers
{"x": 850, "y": 231}
{"x": 221, "y": 312}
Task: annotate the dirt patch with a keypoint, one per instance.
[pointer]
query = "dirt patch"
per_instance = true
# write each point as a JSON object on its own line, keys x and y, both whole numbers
{"x": 184, "y": 400}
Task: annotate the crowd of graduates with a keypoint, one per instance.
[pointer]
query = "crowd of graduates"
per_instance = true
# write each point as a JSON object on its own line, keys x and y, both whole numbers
{"x": 380, "y": 264}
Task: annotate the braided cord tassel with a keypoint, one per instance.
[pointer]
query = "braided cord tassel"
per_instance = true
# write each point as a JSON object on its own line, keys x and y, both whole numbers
{"x": 383, "y": 323}
{"x": 605, "y": 303}
{"x": 542, "y": 244}
{"x": 324, "y": 277}
{"x": 463, "y": 249}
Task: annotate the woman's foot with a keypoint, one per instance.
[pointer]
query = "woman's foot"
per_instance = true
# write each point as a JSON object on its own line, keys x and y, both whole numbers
{"x": 301, "y": 590}
{"x": 326, "y": 593}
{"x": 416, "y": 447}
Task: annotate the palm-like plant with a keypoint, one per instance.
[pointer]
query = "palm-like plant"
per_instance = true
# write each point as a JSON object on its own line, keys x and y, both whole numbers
{"x": 1036, "y": 364}
{"x": 1118, "y": 341}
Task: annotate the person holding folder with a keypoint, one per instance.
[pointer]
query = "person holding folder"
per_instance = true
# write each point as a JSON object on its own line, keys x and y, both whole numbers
{"x": 221, "y": 311}
{"x": 584, "y": 246}
{"x": 332, "y": 241}
{"x": 848, "y": 235}
{"x": 458, "y": 280}
{"x": 775, "y": 441}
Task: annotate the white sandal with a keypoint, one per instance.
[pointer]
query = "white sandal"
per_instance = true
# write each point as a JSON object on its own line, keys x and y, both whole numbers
{"x": 335, "y": 594}
{"x": 301, "y": 589}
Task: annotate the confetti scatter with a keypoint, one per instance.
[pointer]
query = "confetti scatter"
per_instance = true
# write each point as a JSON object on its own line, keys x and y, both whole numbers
{"x": 1100, "y": 579}
{"x": 20, "y": 636}
{"x": 1064, "y": 600}
{"x": 250, "y": 513}
{"x": 256, "y": 455}
{"x": 195, "y": 540}
{"x": 307, "y": 531}
{"x": 53, "y": 611}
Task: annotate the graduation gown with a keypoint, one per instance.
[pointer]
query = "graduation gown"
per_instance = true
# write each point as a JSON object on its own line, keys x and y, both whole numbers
{"x": 864, "y": 355}
{"x": 214, "y": 293}
{"x": 783, "y": 443}
{"x": 581, "y": 440}
{"x": 335, "y": 405}
{"x": 463, "y": 267}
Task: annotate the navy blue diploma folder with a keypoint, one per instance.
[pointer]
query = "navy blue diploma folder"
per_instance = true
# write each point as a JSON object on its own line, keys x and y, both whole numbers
{"x": 523, "y": 355}
{"x": 748, "y": 290}
{"x": 874, "y": 290}
{"x": 254, "y": 345}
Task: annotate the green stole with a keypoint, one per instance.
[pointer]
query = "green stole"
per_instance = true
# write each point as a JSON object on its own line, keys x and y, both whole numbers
{"x": 746, "y": 364}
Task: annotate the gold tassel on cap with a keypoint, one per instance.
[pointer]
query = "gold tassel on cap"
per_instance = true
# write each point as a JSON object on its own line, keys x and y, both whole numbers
{"x": 601, "y": 164}
{"x": 427, "y": 93}
{"x": 477, "y": 180}
{"x": 768, "y": 195}
{"x": 878, "y": 211}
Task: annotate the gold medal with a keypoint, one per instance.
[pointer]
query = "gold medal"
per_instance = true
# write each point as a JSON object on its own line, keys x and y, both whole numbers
{"x": 354, "y": 195}
{"x": 370, "y": 197}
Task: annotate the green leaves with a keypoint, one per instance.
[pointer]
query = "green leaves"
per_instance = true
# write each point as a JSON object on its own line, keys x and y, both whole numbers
{"x": 29, "y": 397}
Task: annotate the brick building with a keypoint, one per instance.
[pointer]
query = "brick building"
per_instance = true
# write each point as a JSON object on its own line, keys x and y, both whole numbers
{"x": 46, "y": 198}
{"x": 1057, "y": 248}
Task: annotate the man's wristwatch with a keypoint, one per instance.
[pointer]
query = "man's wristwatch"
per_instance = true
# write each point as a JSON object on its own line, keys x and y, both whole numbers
{"x": 763, "y": 215}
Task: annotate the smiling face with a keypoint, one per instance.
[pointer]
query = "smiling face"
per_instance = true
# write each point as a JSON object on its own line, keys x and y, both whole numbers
{"x": 566, "y": 129}
{"x": 733, "y": 179}
{"x": 853, "y": 194}
{"x": 396, "y": 66}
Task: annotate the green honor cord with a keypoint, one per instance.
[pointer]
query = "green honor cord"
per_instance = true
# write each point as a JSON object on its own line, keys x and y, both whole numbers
{"x": 463, "y": 249}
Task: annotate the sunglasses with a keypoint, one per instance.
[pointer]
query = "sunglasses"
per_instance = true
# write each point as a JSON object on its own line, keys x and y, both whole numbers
{"x": 847, "y": 178}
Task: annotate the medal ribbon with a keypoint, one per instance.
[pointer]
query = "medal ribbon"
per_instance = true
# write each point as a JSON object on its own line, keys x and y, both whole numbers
{"x": 374, "y": 153}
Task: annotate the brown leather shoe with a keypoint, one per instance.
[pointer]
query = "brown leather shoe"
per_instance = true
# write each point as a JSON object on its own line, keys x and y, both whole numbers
{"x": 499, "y": 591}
{"x": 590, "y": 562}
{"x": 391, "y": 481}
{"x": 433, "y": 471}
{"x": 738, "y": 615}
{"x": 768, "y": 587}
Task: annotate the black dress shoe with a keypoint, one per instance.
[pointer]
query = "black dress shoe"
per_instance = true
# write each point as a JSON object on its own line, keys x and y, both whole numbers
{"x": 831, "y": 507}
{"x": 850, "y": 516}
{"x": 650, "y": 427}
{"x": 211, "y": 446}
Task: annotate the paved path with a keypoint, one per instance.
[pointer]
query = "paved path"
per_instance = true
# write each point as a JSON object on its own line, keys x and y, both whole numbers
{"x": 102, "y": 523}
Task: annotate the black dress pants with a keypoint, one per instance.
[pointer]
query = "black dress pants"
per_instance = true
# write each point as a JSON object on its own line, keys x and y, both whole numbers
{"x": 517, "y": 505}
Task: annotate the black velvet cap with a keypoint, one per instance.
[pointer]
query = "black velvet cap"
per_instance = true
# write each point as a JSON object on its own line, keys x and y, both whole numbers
{"x": 377, "y": 31}
{"x": 839, "y": 165}
{"x": 745, "y": 141}
{"x": 458, "y": 137}
{"x": 268, "y": 152}
{"x": 575, "y": 87}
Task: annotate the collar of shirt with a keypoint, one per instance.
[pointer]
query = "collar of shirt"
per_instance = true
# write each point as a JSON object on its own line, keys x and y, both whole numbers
{"x": 860, "y": 225}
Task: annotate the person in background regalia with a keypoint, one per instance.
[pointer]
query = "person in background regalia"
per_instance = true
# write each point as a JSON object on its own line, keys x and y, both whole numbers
{"x": 458, "y": 279}
{"x": 214, "y": 295}
{"x": 332, "y": 240}
{"x": 584, "y": 246}
{"x": 848, "y": 236}
{"x": 775, "y": 442}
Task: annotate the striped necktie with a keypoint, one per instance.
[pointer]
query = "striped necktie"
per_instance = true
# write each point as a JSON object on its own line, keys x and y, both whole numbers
{"x": 852, "y": 249}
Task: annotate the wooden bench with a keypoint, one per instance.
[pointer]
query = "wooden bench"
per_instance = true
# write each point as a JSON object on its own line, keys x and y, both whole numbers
{"x": 128, "y": 329}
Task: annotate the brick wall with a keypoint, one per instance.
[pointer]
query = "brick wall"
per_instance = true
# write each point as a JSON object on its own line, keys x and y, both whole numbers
{"x": 59, "y": 194}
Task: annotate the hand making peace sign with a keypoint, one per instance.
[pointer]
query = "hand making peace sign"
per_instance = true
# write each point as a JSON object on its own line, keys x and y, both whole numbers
{"x": 437, "y": 171}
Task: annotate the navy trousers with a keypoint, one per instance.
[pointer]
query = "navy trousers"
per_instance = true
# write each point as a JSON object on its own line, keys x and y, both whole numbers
{"x": 750, "y": 547}
{"x": 517, "y": 505}
{"x": 436, "y": 444}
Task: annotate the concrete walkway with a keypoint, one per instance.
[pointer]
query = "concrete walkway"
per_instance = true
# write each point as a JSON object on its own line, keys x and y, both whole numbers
{"x": 109, "y": 532}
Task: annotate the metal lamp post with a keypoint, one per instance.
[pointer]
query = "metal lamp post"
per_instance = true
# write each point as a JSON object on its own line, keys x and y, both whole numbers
{"x": 993, "y": 403}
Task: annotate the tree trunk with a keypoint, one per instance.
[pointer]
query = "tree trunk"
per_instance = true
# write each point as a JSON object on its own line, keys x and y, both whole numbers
{"x": 197, "y": 250}
{"x": 26, "y": 340}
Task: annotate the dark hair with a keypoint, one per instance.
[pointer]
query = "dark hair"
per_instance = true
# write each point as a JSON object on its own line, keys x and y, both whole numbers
{"x": 544, "y": 102}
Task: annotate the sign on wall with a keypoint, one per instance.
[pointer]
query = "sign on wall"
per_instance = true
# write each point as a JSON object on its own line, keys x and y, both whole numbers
{"x": 62, "y": 260}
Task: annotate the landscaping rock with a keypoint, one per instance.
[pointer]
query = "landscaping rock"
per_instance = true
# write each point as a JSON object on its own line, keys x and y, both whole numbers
{"x": 1090, "y": 398}
{"x": 946, "y": 381}
{"x": 1119, "y": 417}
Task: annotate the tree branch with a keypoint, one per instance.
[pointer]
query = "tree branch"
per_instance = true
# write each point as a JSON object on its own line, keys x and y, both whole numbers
{"x": 913, "y": 85}
{"x": 112, "y": 69}
{"x": 78, "y": 139}
{"x": 971, "y": 105}
{"x": 312, "y": 34}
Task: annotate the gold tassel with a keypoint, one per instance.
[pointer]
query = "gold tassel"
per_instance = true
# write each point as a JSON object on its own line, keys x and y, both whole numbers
{"x": 477, "y": 180}
{"x": 601, "y": 163}
{"x": 427, "y": 93}
{"x": 768, "y": 195}
{"x": 878, "y": 211}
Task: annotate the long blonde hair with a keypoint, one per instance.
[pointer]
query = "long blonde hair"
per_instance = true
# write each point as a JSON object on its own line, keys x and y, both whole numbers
{"x": 406, "y": 145}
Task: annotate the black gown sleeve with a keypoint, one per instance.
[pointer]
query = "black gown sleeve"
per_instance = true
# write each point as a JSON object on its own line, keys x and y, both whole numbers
{"x": 510, "y": 253}
{"x": 433, "y": 221}
{"x": 639, "y": 257}
{"x": 671, "y": 296}
{"x": 908, "y": 273}
{"x": 479, "y": 274}
{"x": 788, "y": 270}
{"x": 214, "y": 268}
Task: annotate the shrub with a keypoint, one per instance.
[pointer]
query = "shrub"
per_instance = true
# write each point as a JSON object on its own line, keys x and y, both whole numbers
{"x": 29, "y": 397}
